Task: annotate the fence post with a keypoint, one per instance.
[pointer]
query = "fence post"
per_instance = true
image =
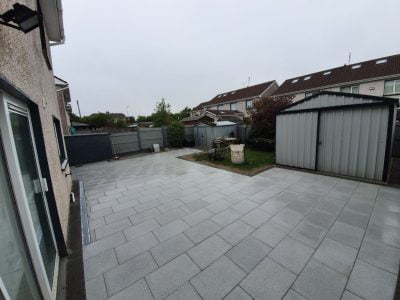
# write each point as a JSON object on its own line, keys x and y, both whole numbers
{"x": 163, "y": 136}
{"x": 139, "y": 139}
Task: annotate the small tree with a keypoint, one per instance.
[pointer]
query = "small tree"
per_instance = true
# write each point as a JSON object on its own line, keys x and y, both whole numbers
{"x": 162, "y": 114}
{"x": 263, "y": 116}
{"x": 176, "y": 134}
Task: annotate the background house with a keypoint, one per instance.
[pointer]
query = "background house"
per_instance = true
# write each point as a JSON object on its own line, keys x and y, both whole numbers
{"x": 35, "y": 193}
{"x": 376, "y": 77}
{"x": 238, "y": 100}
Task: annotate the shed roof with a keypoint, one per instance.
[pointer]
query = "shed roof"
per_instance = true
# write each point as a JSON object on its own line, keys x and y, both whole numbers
{"x": 333, "y": 99}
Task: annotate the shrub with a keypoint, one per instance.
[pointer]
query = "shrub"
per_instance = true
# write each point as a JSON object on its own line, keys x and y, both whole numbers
{"x": 263, "y": 116}
{"x": 176, "y": 134}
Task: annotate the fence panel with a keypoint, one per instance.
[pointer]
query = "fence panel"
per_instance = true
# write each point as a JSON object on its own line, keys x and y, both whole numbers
{"x": 204, "y": 135}
{"x": 125, "y": 142}
{"x": 396, "y": 142}
{"x": 150, "y": 136}
{"x": 87, "y": 148}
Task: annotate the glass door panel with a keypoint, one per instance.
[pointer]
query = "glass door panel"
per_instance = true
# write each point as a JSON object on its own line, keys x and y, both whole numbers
{"x": 16, "y": 271}
{"x": 21, "y": 133}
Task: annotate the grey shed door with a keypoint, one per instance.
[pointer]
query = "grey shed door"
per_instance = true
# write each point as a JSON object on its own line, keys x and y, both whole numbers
{"x": 296, "y": 138}
{"x": 352, "y": 142}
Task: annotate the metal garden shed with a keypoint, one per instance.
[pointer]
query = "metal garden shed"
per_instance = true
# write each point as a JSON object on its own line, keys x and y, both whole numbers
{"x": 338, "y": 133}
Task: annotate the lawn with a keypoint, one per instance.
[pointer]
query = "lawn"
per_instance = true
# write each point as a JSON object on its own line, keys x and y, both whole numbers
{"x": 256, "y": 161}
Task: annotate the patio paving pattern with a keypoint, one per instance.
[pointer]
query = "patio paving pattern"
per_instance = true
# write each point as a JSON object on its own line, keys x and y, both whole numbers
{"x": 166, "y": 228}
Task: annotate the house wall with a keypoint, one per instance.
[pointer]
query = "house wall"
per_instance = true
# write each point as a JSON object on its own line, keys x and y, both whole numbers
{"x": 23, "y": 64}
{"x": 373, "y": 88}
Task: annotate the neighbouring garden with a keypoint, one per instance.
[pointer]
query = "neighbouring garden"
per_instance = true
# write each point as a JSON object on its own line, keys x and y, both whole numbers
{"x": 259, "y": 151}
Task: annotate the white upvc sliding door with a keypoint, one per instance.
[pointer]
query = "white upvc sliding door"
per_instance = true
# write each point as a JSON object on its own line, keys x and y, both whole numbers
{"x": 29, "y": 189}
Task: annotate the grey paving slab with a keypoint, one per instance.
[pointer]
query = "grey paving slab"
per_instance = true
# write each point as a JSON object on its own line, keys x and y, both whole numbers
{"x": 171, "y": 248}
{"x": 144, "y": 216}
{"x": 370, "y": 282}
{"x": 350, "y": 296}
{"x": 129, "y": 272}
{"x": 245, "y": 206}
{"x": 109, "y": 229}
{"x": 96, "y": 289}
{"x": 291, "y": 254}
{"x": 197, "y": 216}
{"x": 288, "y": 218}
{"x": 97, "y": 265}
{"x": 268, "y": 280}
{"x": 102, "y": 245}
{"x": 218, "y": 279}
{"x": 137, "y": 291}
{"x": 256, "y": 218}
{"x": 171, "y": 216}
{"x": 135, "y": 247}
{"x": 171, "y": 229}
{"x": 248, "y": 253}
{"x": 271, "y": 233}
{"x": 208, "y": 251}
{"x": 293, "y": 295}
{"x": 171, "y": 276}
{"x": 308, "y": 234}
{"x": 346, "y": 234}
{"x": 318, "y": 281}
{"x": 336, "y": 255}
{"x": 235, "y": 232}
{"x": 380, "y": 255}
{"x": 202, "y": 231}
{"x": 292, "y": 212}
{"x": 141, "y": 229}
{"x": 238, "y": 294}
{"x": 185, "y": 292}
{"x": 226, "y": 217}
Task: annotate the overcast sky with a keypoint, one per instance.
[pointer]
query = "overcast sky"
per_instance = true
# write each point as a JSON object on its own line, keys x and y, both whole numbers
{"x": 120, "y": 53}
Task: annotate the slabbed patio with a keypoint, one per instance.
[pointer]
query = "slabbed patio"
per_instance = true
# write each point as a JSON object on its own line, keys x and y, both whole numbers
{"x": 165, "y": 228}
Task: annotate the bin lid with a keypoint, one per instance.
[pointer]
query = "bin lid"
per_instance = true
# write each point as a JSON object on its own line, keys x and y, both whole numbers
{"x": 238, "y": 147}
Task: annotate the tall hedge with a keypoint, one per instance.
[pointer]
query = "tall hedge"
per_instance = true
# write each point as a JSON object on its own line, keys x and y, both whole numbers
{"x": 176, "y": 134}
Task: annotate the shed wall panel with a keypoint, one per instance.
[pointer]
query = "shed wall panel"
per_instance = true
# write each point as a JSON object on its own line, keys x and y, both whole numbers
{"x": 296, "y": 139}
{"x": 352, "y": 142}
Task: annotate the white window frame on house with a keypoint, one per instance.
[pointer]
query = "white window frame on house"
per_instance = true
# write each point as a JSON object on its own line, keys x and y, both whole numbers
{"x": 249, "y": 104}
{"x": 60, "y": 143}
{"x": 394, "y": 90}
{"x": 232, "y": 106}
{"x": 6, "y": 101}
{"x": 220, "y": 107}
{"x": 352, "y": 89}
{"x": 308, "y": 94}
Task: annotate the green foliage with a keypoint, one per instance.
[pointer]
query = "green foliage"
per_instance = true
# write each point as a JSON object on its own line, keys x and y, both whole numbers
{"x": 184, "y": 113}
{"x": 121, "y": 123}
{"x": 176, "y": 134}
{"x": 99, "y": 120}
{"x": 162, "y": 114}
{"x": 144, "y": 119}
{"x": 263, "y": 116}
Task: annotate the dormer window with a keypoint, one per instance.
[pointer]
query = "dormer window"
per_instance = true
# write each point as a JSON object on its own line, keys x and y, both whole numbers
{"x": 233, "y": 92}
{"x": 327, "y": 72}
{"x": 381, "y": 61}
{"x": 307, "y": 78}
{"x": 356, "y": 67}
{"x": 295, "y": 80}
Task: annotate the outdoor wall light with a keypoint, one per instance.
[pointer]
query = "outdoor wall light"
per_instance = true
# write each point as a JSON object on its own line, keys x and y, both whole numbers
{"x": 25, "y": 18}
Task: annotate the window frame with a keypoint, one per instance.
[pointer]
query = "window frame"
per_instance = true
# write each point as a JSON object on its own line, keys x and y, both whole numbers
{"x": 394, "y": 91}
{"x": 351, "y": 87}
{"x": 251, "y": 106}
{"x": 220, "y": 107}
{"x": 60, "y": 143}
{"x": 233, "y": 104}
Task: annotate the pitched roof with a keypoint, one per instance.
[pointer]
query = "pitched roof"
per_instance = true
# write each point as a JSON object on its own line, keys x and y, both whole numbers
{"x": 224, "y": 112}
{"x": 247, "y": 92}
{"x": 375, "y": 68}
